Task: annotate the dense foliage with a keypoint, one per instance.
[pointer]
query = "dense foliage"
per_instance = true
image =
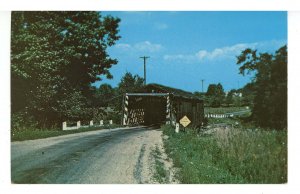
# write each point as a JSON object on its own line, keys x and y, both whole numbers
{"x": 107, "y": 96}
{"x": 129, "y": 83}
{"x": 215, "y": 95}
{"x": 240, "y": 97}
{"x": 55, "y": 56}
{"x": 269, "y": 85}
{"x": 103, "y": 95}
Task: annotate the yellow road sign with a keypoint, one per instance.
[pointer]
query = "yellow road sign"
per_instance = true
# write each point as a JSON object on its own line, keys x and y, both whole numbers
{"x": 185, "y": 121}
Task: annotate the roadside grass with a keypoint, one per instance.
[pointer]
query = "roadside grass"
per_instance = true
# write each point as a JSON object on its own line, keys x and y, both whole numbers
{"x": 228, "y": 121}
{"x": 223, "y": 110}
{"x": 160, "y": 173}
{"x": 30, "y": 134}
{"x": 232, "y": 155}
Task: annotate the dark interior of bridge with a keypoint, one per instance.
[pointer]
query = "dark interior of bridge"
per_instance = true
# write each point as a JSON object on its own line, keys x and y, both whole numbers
{"x": 155, "y": 112}
{"x": 147, "y": 110}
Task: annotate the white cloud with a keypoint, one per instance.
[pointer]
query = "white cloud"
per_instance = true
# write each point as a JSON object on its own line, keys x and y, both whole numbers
{"x": 224, "y": 52}
{"x": 148, "y": 46}
{"x": 145, "y": 46}
{"x": 180, "y": 57}
{"x": 161, "y": 26}
{"x": 201, "y": 54}
{"x": 123, "y": 46}
{"x": 229, "y": 52}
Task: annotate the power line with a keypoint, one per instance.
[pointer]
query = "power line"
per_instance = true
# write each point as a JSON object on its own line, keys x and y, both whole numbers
{"x": 145, "y": 58}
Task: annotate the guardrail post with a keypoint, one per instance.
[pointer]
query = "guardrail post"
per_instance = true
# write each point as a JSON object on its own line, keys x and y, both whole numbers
{"x": 177, "y": 128}
{"x": 101, "y": 122}
{"x": 64, "y": 125}
{"x": 91, "y": 123}
{"x": 78, "y": 124}
{"x": 110, "y": 122}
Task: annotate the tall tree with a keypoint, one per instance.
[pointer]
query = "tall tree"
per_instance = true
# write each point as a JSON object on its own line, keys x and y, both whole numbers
{"x": 55, "y": 56}
{"x": 215, "y": 94}
{"x": 270, "y": 81}
{"x": 129, "y": 83}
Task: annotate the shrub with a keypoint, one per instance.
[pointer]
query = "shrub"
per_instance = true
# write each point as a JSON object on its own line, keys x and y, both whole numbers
{"x": 21, "y": 121}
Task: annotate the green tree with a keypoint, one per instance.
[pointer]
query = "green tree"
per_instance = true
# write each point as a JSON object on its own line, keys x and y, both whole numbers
{"x": 129, "y": 83}
{"x": 248, "y": 92}
{"x": 229, "y": 97}
{"x": 215, "y": 95}
{"x": 270, "y": 85}
{"x": 104, "y": 96}
{"x": 55, "y": 56}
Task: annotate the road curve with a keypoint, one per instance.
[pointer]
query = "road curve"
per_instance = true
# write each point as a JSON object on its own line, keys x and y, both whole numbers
{"x": 104, "y": 156}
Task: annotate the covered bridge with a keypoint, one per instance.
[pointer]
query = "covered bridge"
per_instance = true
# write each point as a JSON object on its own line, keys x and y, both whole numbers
{"x": 158, "y": 104}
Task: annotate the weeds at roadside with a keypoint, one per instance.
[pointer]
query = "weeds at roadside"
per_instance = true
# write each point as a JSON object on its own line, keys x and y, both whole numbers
{"x": 160, "y": 173}
{"x": 229, "y": 156}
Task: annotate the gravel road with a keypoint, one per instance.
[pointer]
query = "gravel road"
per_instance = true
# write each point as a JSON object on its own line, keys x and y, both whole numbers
{"x": 104, "y": 156}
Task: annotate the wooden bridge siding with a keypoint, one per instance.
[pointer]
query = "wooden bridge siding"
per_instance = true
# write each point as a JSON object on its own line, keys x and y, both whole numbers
{"x": 192, "y": 109}
{"x": 142, "y": 110}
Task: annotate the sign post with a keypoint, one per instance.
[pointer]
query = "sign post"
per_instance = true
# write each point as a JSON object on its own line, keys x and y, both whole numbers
{"x": 184, "y": 121}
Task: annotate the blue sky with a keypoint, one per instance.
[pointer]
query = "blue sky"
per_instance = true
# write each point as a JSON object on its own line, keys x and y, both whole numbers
{"x": 185, "y": 47}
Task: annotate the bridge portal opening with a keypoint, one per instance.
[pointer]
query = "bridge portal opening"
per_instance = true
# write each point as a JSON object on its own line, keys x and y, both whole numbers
{"x": 160, "y": 104}
{"x": 145, "y": 108}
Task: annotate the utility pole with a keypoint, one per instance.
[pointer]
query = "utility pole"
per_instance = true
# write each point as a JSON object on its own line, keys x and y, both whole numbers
{"x": 145, "y": 58}
{"x": 202, "y": 85}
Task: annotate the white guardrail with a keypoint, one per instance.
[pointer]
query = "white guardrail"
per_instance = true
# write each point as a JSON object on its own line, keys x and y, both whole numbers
{"x": 218, "y": 115}
{"x": 227, "y": 115}
{"x": 78, "y": 125}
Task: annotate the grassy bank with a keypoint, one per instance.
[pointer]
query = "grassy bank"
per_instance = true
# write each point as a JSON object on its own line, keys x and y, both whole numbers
{"x": 30, "y": 134}
{"x": 229, "y": 156}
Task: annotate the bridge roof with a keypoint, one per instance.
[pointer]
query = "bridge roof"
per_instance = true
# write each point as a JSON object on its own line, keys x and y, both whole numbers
{"x": 158, "y": 88}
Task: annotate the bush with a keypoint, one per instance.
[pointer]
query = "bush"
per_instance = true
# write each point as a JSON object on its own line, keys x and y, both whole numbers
{"x": 21, "y": 121}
